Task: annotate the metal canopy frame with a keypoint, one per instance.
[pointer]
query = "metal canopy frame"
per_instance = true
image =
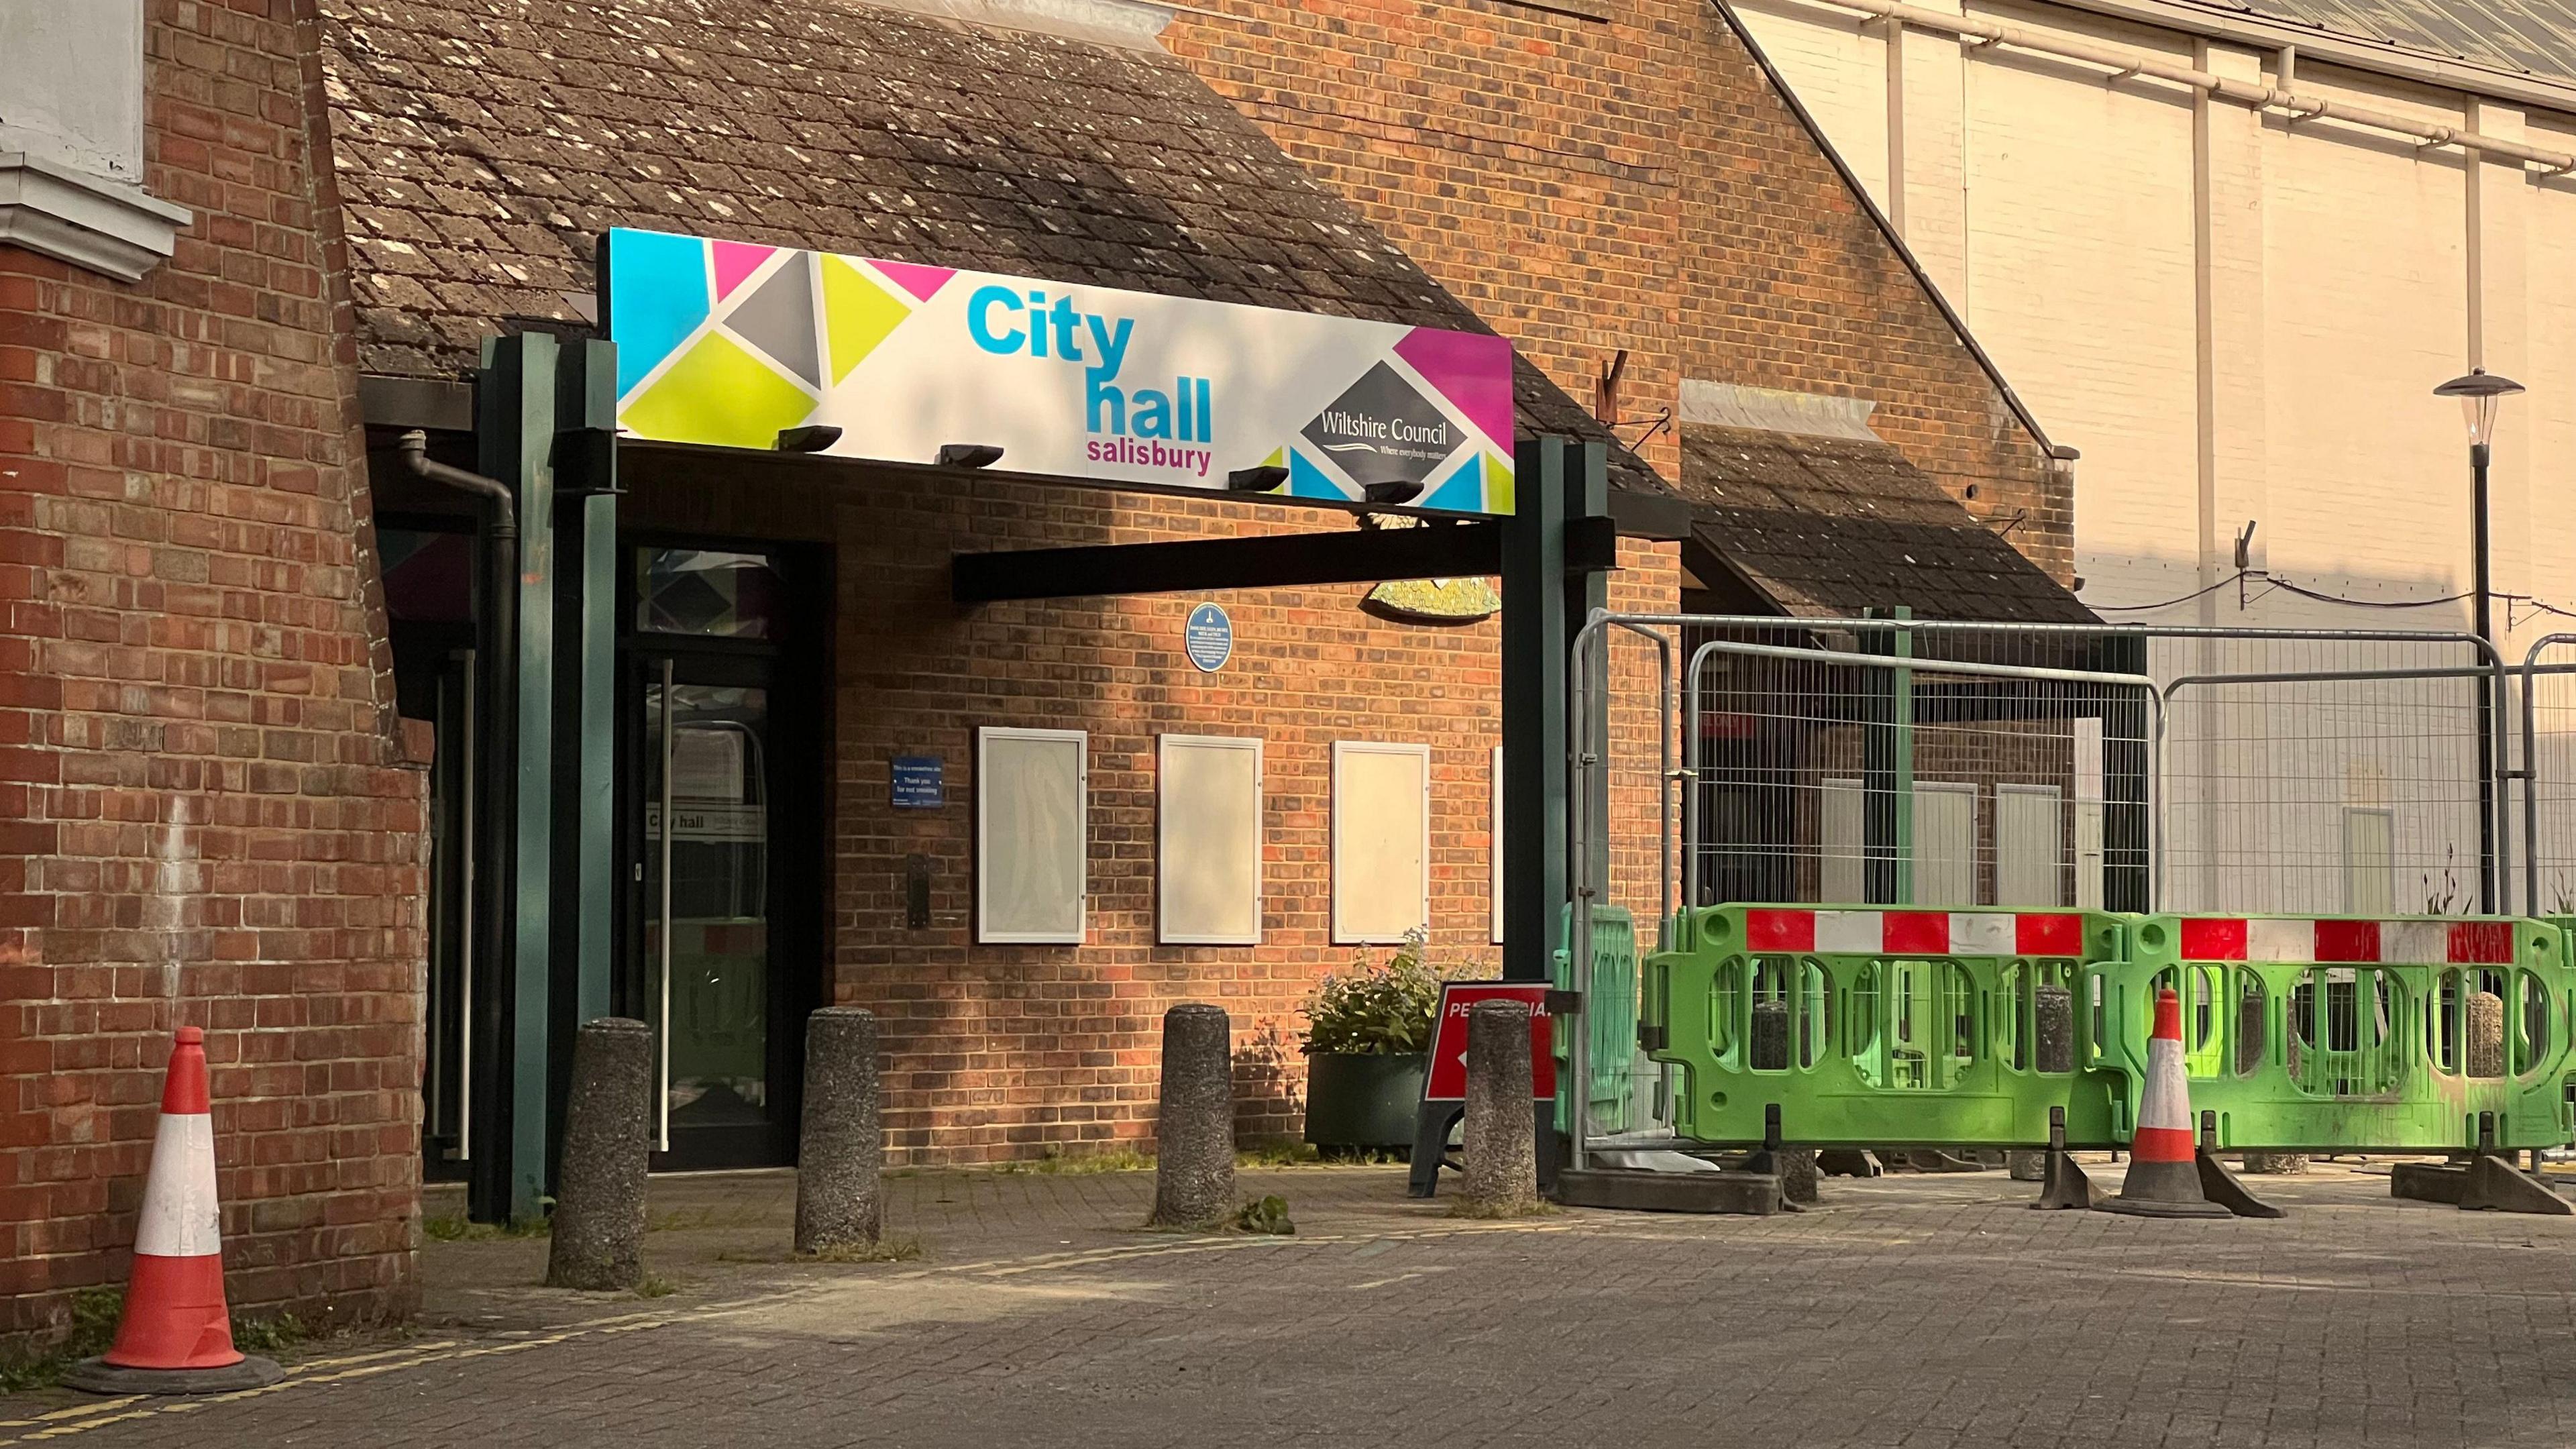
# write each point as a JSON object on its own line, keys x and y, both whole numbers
{"x": 543, "y": 423}
{"x": 1434, "y": 551}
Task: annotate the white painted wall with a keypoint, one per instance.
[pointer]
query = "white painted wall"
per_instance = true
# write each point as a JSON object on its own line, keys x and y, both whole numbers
{"x": 2239, "y": 315}
{"x": 71, "y": 83}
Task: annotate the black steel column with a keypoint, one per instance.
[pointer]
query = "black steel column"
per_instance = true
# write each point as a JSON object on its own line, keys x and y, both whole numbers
{"x": 515, "y": 431}
{"x": 1535, "y": 638}
{"x": 583, "y": 899}
{"x": 1550, "y": 585}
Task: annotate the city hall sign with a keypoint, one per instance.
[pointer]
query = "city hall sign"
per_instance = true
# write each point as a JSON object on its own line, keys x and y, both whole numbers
{"x": 728, "y": 343}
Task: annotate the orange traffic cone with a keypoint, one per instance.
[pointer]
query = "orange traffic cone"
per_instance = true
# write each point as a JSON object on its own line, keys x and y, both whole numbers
{"x": 2164, "y": 1162}
{"x": 176, "y": 1336}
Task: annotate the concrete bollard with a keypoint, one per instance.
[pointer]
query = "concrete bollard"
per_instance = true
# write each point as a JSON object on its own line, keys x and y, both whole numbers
{"x": 1194, "y": 1131}
{"x": 1766, "y": 1047}
{"x": 1501, "y": 1136}
{"x": 840, "y": 1154}
{"x": 2485, "y": 1050}
{"x": 598, "y": 1230}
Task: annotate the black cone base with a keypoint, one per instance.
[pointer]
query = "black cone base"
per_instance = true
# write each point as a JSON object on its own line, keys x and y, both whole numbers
{"x": 98, "y": 1376}
{"x": 2139, "y": 1207}
{"x": 2163, "y": 1190}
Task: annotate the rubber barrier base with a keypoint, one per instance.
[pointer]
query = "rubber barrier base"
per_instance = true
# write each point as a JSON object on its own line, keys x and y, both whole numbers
{"x": 2429, "y": 1181}
{"x": 1848, "y": 1162}
{"x": 2495, "y": 1185}
{"x": 2063, "y": 1185}
{"x": 1749, "y": 1194}
{"x": 2228, "y": 1191}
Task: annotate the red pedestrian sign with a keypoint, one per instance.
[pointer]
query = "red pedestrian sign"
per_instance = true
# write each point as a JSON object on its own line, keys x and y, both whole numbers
{"x": 1447, "y": 1081}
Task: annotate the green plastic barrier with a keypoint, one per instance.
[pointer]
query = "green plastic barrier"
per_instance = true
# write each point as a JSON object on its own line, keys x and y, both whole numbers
{"x": 1903, "y": 1028}
{"x": 1917, "y": 1028}
{"x": 2337, "y": 1034}
{"x": 1610, "y": 1013}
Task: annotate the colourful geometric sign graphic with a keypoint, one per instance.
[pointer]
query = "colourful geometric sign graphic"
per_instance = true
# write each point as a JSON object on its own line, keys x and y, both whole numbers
{"x": 730, "y": 343}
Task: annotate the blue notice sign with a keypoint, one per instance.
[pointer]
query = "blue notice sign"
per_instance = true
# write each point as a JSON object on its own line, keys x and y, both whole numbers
{"x": 917, "y": 783}
{"x": 1209, "y": 638}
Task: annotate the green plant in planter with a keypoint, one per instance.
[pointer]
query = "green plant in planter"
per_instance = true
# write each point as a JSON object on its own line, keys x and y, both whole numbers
{"x": 1380, "y": 1010}
{"x": 1368, "y": 1035}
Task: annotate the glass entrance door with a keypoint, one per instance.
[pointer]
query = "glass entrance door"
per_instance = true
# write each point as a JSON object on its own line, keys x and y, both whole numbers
{"x": 711, "y": 964}
{"x": 706, "y": 876}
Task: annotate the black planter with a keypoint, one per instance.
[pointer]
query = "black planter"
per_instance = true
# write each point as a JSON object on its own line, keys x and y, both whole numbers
{"x": 1363, "y": 1101}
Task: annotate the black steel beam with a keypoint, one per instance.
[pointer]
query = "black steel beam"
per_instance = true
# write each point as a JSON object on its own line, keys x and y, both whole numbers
{"x": 1658, "y": 516}
{"x": 430, "y": 404}
{"x": 1433, "y": 551}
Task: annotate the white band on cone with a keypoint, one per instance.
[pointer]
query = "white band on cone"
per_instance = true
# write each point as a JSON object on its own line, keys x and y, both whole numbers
{"x": 179, "y": 1214}
{"x": 2166, "y": 1101}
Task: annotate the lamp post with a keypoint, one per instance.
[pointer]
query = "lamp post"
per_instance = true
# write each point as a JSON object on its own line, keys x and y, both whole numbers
{"x": 2479, "y": 393}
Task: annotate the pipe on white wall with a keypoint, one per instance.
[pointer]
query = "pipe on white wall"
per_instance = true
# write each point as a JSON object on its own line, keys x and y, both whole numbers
{"x": 2128, "y": 63}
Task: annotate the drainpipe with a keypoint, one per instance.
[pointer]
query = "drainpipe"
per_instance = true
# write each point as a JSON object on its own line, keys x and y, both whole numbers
{"x": 491, "y": 919}
{"x": 414, "y": 447}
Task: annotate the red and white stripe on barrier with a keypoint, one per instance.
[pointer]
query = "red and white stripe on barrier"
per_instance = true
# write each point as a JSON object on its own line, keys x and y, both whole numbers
{"x": 1936, "y": 933}
{"x": 2412, "y": 943}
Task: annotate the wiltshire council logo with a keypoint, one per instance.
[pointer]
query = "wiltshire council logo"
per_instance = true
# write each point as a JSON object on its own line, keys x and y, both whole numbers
{"x": 1382, "y": 430}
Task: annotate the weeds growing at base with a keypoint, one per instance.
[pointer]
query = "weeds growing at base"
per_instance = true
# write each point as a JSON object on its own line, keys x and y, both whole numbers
{"x": 94, "y": 1315}
{"x": 1115, "y": 1159}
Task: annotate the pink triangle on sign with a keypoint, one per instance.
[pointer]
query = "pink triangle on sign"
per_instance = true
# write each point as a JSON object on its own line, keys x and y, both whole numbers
{"x": 922, "y": 282}
{"x": 735, "y": 261}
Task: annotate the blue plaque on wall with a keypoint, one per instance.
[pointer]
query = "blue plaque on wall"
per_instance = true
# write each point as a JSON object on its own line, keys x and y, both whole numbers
{"x": 917, "y": 783}
{"x": 1209, "y": 638}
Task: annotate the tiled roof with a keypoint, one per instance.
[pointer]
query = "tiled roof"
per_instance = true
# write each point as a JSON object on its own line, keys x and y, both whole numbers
{"x": 483, "y": 145}
{"x": 1828, "y": 527}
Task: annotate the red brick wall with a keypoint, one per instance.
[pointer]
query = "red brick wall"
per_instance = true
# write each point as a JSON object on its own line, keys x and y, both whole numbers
{"x": 1632, "y": 183}
{"x": 204, "y": 813}
{"x": 1009, "y": 1051}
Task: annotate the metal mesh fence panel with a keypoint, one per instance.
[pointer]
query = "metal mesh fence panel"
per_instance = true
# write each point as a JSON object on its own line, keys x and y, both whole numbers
{"x": 2127, "y": 768}
{"x": 2547, "y": 697}
{"x": 2327, "y": 774}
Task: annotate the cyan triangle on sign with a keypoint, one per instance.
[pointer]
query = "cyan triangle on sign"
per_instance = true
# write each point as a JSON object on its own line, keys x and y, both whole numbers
{"x": 658, "y": 301}
{"x": 1463, "y": 490}
{"x": 1305, "y": 480}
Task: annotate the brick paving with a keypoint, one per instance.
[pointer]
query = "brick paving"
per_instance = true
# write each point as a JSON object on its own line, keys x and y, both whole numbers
{"x": 1913, "y": 1311}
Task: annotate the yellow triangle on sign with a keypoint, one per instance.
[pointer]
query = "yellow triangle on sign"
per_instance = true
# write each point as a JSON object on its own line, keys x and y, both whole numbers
{"x": 1498, "y": 485}
{"x": 858, "y": 314}
{"x": 718, "y": 393}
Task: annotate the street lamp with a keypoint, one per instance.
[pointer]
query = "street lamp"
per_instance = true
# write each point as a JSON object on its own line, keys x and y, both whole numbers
{"x": 2479, "y": 393}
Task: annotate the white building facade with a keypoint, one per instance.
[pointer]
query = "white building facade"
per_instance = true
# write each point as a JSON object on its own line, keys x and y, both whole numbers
{"x": 2228, "y": 254}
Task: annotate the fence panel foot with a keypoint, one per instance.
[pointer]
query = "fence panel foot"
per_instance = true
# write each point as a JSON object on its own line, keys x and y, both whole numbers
{"x": 2224, "y": 1188}
{"x": 2493, "y": 1184}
